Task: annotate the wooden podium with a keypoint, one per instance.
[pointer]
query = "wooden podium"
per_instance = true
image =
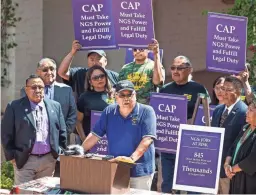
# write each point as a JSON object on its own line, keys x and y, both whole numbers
{"x": 95, "y": 176}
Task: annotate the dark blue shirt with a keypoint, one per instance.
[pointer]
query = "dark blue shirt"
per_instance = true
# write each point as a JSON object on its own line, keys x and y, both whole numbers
{"x": 125, "y": 134}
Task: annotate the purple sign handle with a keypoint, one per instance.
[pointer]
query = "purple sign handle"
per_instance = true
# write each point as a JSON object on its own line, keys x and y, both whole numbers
{"x": 200, "y": 118}
{"x": 226, "y": 43}
{"x": 130, "y": 58}
{"x": 93, "y": 24}
{"x": 102, "y": 146}
{"x": 134, "y": 24}
{"x": 171, "y": 111}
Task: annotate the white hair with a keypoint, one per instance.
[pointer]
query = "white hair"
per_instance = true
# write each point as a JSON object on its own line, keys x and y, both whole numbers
{"x": 46, "y": 61}
{"x": 185, "y": 60}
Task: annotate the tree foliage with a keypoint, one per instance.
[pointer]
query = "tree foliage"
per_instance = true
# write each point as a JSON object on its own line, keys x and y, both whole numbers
{"x": 8, "y": 20}
{"x": 247, "y": 8}
{"x": 7, "y": 175}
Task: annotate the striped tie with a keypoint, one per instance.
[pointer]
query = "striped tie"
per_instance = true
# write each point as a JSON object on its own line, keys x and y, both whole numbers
{"x": 223, "y": 117}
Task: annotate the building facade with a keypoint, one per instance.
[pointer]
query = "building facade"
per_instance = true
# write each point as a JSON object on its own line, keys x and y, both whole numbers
{"x": 46, "y": 30}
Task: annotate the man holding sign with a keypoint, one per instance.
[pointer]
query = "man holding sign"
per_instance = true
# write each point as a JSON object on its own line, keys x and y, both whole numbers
{"x": 181, "y": 71}
{"x": 144, "y": 73}
{"x": 131, "y": 129}
{"x": 75, "y": 77}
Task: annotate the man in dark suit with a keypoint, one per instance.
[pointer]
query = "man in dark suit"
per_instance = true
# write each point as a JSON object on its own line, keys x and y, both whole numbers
{"x": 33, "y": 130}
{"x": 231, "y": 116}
{"x": 59, "y": 92}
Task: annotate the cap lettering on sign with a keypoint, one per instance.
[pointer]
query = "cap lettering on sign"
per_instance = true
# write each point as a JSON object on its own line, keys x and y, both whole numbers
{"x": 92, "y": 8}
{"x": 225, "y": 29}
{"x": 130, "y": 5}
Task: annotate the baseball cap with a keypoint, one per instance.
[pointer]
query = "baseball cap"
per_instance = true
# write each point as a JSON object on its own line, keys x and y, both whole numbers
{"x": 100, "y": 52}
{"x": 124, "y": 85}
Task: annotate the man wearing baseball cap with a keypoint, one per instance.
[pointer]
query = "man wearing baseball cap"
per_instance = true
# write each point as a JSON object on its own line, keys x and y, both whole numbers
{"x": 75, "y": 77}
{"x": 130, "y": 128}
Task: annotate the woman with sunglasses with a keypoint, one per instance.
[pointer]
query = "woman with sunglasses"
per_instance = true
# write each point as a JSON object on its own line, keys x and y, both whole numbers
{"x": 97, "y": 96}
{"x": 240, "y": 164}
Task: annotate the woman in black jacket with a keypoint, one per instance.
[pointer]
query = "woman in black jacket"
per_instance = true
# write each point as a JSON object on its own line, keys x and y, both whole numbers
{"x": 240, "y": 164}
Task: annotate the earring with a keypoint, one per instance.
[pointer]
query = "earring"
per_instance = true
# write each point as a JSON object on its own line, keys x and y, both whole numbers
{"x": 91, "y": 87}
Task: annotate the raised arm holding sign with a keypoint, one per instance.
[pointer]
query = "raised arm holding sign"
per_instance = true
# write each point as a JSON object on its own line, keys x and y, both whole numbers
{"x": 226, "y": 43}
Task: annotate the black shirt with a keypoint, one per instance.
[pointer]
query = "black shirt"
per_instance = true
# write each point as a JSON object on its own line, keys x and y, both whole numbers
{"x": 190, "y": 90}
{"x": 88, "y": 101}
{"x": 77, "y": 79}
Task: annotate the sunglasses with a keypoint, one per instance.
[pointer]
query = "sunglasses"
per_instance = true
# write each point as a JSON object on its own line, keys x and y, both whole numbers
{"x": 34, "y": 87}
{"x": 47, "y": 69}
{"x": 129, "y": 95}
{"x": 135, "y": 50}
{"x": 179, "y": 68}
{"x": 97, "y": 77}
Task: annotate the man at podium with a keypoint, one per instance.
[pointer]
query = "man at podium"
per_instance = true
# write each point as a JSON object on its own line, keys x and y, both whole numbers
{"x": 130, "y": 128}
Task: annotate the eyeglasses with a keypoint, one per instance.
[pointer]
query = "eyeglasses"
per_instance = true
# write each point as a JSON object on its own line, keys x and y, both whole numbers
{"x": 129, "y": 95}
{"x": 34, "y": 87}
{"x": 47, "y": 69}
{"x": 97, "y": 77}
{"x": 135, "y": 50}
{"x": 179, "y": 68}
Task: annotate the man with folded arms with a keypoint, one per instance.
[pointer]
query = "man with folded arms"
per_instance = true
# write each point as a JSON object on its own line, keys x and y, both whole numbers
{"x": 130, "y": 128}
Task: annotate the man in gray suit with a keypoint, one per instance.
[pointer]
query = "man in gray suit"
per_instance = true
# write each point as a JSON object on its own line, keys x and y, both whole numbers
{"x": 32, "y": 131}
{"x": 59, "y": 92}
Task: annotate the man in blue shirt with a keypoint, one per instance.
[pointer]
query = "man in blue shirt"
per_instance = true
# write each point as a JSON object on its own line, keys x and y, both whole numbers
{"x": 130, "y": 128}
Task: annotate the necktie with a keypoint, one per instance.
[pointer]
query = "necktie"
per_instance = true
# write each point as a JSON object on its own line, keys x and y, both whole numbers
{"x": 223, "y": 117}
{"x": 38, "y": 118}
{"x": 47, "y": 92}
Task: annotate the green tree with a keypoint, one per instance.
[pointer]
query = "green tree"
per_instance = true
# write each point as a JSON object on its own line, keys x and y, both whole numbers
{"x": 7, "y": 175}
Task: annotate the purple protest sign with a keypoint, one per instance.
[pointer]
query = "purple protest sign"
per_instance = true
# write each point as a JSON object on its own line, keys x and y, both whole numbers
{"x": 134, "y": 25}
{"x": 200, "y": 118}
{"x": 130, "y": 58}
{"x": 226, "y": 43}
{"x": 102, "y": 146}
{"x": 198, "y": 158}
{"x": 93, "y": 24}
{"x": 171, "y": 111}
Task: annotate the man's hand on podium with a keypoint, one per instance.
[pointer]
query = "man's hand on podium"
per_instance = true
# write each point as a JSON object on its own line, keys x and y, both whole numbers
{"x": 124, "y": 159}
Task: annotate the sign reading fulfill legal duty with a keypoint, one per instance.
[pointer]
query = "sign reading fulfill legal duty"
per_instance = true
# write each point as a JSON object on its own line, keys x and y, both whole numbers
{"x": 134, "y": 25}
{"x": 93, "y": 24}
{"x": 101, "y": 24}
{"x": 198, "y": 158}
{"x": 102, "y": 146}
{"x": 226, "y": 43}
{"x": 171, "y": 111}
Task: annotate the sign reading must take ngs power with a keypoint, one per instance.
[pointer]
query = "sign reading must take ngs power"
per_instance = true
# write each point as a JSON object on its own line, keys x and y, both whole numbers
{"x": 226, "y": 43}
{"x": 171, "y": 111}
{"x": 198, "y": 158}
{"x": 101, "y": 24}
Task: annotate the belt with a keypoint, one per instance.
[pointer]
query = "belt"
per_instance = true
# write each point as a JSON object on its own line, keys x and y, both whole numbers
{"x": 40, "y": 155}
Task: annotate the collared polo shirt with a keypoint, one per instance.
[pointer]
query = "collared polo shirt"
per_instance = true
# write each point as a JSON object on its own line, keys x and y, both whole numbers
{"x": 125, "y": 134}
